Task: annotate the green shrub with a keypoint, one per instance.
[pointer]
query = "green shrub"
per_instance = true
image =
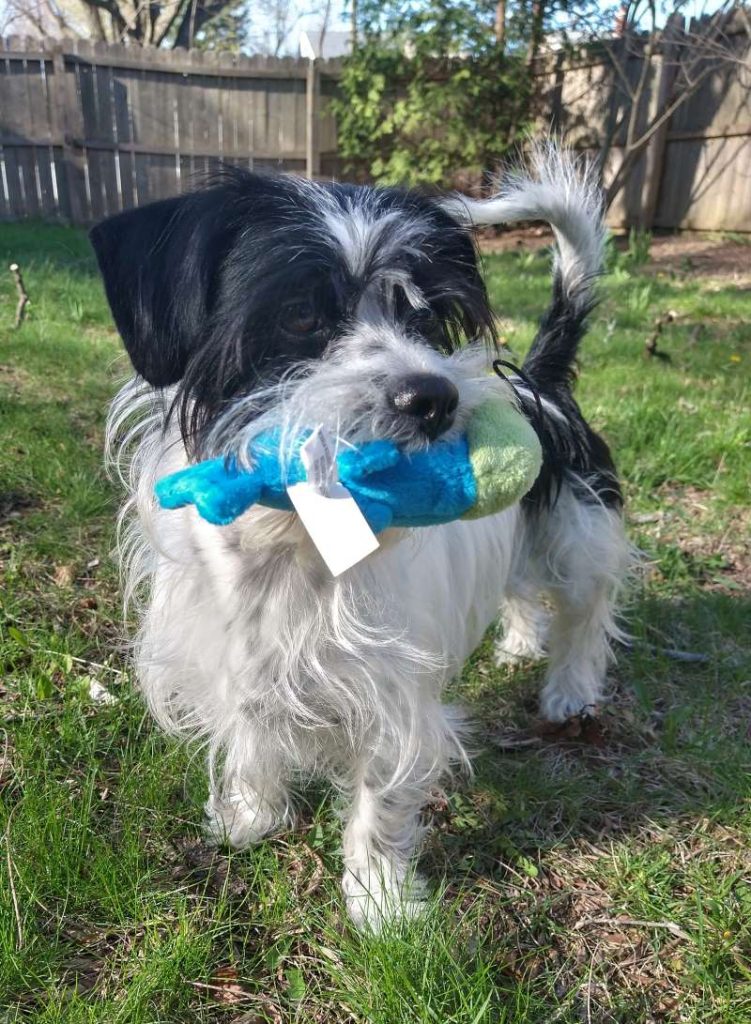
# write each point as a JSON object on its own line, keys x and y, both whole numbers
{"x": 428, "y": 93}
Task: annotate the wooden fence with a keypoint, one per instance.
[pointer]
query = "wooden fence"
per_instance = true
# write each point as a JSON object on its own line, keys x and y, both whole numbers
{"x": 89, "y": 129}
{"x": 696, "y": 170}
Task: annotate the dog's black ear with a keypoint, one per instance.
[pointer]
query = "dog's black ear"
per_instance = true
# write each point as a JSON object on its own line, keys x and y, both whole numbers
{"x": 158, "y": 264}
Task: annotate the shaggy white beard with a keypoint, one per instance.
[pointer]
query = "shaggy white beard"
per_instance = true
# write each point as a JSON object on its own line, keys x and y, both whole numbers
{"x": 345, "y": 393}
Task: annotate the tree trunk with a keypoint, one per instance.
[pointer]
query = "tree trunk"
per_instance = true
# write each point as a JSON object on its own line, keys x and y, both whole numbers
{"x": 500, "y": 24}
{"x": 94, "y": 18}
{"x": 197, "y": 14}
{"x": 535, "y": 39}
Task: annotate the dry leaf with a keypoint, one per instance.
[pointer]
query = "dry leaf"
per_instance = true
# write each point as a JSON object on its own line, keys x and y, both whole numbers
{"x": 582, "y": 728}
{"x": 225, "y": 987}
{"x": 63, "y": 576}
{"x": 227, "y": 992}
{"x": 100, "y": 694}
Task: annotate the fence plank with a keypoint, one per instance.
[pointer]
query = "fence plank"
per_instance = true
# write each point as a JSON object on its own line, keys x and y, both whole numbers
{"x": 706, "y": 182}
{"x": 79, "y": 85}
{"x": 57, "y": 197}
{"x": 25, "y": 155}
{"x": 312, "y": 144}
{"x": 39, "y": 129}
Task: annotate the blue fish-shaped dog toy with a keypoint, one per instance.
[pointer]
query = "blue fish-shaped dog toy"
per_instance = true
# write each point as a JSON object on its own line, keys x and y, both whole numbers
{"x": 485, "y": 470}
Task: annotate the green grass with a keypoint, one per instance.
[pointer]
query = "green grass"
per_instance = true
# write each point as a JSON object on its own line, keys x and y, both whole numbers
{"x": 602, "y": 881}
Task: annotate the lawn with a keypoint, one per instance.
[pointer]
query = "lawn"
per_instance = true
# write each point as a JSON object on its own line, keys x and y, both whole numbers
{"x": 594, "y": 878}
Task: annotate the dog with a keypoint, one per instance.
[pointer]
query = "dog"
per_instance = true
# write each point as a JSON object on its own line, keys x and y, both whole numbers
{"x": 262, "y": 300}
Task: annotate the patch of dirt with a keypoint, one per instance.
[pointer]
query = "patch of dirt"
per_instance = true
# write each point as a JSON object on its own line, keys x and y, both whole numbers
{"x": 14, "y": 378}
{"x": 732, "y": 551}
{"x": 686, "y": 517}
{"x": 14, "y": 504}
{"x": 693, "y": 257}
{"x": 688, "y": 256}
{"x": 514, "y": 239}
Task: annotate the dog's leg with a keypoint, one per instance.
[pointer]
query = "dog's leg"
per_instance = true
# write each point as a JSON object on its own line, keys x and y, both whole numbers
{"x": 243, "y": 808}
{"x": 587, "y": 559}
{"x": 240, "y": 817}
{"x": 524, "y": 628}
{"x": 579, "y": 652}
{"x": 380, "y": 839}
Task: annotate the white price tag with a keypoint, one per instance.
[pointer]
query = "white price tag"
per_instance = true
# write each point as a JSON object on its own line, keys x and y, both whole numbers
{"x": 328, "y": 511}
{"x": 319, "y": 459}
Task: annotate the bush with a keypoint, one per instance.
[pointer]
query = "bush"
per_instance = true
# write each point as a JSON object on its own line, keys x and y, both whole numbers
{"x": 429, "y": 93}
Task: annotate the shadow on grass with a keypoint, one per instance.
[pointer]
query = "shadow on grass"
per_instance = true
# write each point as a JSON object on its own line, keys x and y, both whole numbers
{"x": 671, "y": 744}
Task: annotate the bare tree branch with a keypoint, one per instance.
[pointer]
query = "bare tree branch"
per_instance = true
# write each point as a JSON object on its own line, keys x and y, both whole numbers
{"x": 195, "y": 15}
{"x": 277, "y": 19}
{"x": 119, "y": 22}
{"x": 324, "y": 26}
{"x": 94, "y": 17}
{"x": 169, "y": 16}
{"x": 23, "y": 298}
{"x": 41, "y": 16}
{"x": 687, "y": 55}
{"x": 140, "y": 22}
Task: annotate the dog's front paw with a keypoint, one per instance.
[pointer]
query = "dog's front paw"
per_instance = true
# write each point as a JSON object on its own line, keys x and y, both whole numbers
{"x": 558, "y": 705}
{"x": 379, "y": 895}
{"x": 513, "y": 656}
{"x": 241, "y": 820}
{"x": 518, "y": 645}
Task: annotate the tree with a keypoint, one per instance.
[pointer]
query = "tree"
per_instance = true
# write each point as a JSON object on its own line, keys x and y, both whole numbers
{"x": 532, "y": 27}
{"x": 438, "y": 85}
{"x": 536, "y": 29}
{"x": 500, "y": 24}
{"x": 229, "y": 30}
{"x": 165, "y": 23}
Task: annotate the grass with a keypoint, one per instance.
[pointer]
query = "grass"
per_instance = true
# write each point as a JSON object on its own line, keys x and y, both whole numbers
{"x": 598, "y": 878}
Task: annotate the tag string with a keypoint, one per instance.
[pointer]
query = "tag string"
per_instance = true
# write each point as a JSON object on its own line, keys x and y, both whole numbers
{"x": 497, "y": 364}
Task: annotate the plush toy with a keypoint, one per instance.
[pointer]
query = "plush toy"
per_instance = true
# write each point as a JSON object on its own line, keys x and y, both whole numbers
{"x": 493, "y": 465}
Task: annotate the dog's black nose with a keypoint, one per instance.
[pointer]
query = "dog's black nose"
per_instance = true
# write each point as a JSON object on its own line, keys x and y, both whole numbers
{"x": 431, "y": 399}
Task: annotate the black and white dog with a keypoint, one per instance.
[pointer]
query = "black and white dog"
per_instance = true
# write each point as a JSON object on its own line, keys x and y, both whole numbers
{"x": 261, "y": 300}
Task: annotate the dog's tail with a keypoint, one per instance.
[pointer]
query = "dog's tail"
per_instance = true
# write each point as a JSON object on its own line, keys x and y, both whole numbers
{"x": 561, "y": 190}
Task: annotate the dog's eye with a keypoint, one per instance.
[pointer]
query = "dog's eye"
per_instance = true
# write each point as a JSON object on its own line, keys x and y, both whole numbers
{"x": 424, "y": 317}
{"x": 427, "y": 323}
{"x": 300, "y": 317}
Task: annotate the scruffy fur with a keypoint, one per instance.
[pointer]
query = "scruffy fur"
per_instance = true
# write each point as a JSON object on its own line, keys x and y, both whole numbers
{"x": 262, "y": 301}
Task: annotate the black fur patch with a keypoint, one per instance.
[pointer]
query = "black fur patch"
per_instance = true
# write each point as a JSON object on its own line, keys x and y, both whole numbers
{"x": 200, "y": 285}
{"x": 572, "y": 451}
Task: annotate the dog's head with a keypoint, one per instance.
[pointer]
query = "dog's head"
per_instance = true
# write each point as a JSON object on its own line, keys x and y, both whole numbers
{"x": 263, "y": 298}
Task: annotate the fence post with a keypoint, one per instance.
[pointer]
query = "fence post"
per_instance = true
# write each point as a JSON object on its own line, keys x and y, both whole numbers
{"x": 71, "y": 162}
{"x": 654, "y": 157}
{"x": 312, "y": 149}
